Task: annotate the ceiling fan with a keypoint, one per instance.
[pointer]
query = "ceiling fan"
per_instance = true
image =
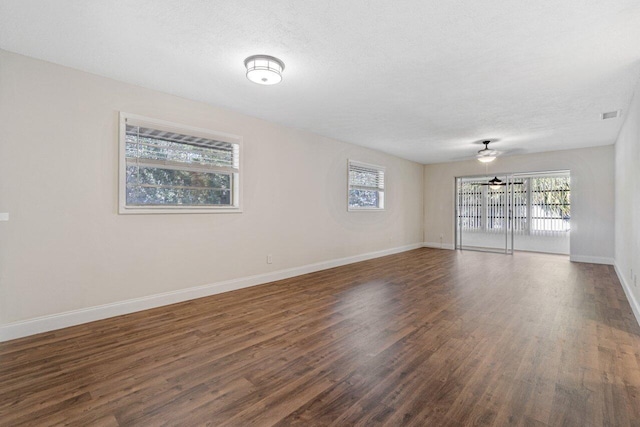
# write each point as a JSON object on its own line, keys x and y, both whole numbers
{"x": 495, "y": 183}
{"x": 487, "y": 155}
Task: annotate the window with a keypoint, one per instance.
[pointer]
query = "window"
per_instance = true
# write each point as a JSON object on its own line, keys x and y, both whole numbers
{"x": 168, "y": 168}
{"x": 550, "y": 204}
{"x": 541, "y": 205}
{"x": 366, "y": 186}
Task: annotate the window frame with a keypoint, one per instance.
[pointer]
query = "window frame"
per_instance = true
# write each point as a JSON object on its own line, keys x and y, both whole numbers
{"x": 381, "y": 192}
{"x": 138, "y": 120}
{"x": 528, "y": 229}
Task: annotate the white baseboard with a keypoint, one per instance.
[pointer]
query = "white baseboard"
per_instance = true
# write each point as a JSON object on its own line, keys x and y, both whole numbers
{"x": 76, "y": 317}
{"x": 591, "y": 259}
{"x": 448, "y": 246}
{"x": 633, "y": 302}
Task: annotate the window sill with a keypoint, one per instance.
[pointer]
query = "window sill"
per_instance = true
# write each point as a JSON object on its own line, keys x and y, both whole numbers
{"x": 365, "y": 209}
{"x": 176, "y": 210}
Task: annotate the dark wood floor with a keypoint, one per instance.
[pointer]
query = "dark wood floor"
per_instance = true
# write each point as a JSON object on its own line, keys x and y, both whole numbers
{"x": 426, "y": 337}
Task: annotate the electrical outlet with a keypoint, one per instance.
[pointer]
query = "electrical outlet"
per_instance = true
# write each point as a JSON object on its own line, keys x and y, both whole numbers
{"x": 269, "y": 259}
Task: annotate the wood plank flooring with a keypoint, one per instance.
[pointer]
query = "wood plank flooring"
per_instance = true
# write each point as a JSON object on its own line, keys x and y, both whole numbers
{"x": 424, "y": 338}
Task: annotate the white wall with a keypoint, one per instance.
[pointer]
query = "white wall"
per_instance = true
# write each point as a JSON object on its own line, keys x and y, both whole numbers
{"x": 592, "y": 215}
{"x": 627, "y": 208}
{"x": 66, "y": 248}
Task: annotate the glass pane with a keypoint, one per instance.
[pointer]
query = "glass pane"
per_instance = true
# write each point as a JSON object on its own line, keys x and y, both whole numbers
{"x": 165, "y": 196}
{"x": 520, "y": 206}
{"x": 551, "y": 206}
{"x": 158, "y": 149}
{"x": 364, "y": 198}
{"x": 158, "y": 186}
{"x": 470, "y": 205}
{"x": 176, "y": 178}
{"x": 496, "y": 209}
{"x": 363, "y": 178}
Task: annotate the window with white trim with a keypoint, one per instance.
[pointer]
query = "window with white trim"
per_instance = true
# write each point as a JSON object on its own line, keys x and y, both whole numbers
{"x": 541, "y": 205}
{"x": 366, "y": 186}
{"x": 169, "y": 168}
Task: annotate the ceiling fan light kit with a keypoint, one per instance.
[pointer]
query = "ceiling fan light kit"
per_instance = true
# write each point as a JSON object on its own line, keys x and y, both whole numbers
{"x": 495, "y": 183}
{"x": 486, "y": 159}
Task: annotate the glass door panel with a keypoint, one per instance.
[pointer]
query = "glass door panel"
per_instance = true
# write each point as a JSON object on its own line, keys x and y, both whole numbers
{"x": 484, "y": 213}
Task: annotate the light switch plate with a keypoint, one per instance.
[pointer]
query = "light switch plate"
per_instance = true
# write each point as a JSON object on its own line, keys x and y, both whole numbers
{"x": 4, "y": 216}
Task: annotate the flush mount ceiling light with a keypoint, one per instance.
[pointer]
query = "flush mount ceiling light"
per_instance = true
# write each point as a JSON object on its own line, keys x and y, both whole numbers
{"x": 264, "y": 69}
{"x": 485, "y": 155}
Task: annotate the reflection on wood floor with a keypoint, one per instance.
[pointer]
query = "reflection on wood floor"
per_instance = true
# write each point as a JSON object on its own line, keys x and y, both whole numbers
{"x": 426, "y": 337}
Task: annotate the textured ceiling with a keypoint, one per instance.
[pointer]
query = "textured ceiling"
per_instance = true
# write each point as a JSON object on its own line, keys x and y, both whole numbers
{"x": 419, "y": 79}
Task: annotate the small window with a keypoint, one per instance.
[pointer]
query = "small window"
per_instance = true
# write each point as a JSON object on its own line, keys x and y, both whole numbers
{"x": 366, "y": 186}
{"x": 168, "y": 168}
